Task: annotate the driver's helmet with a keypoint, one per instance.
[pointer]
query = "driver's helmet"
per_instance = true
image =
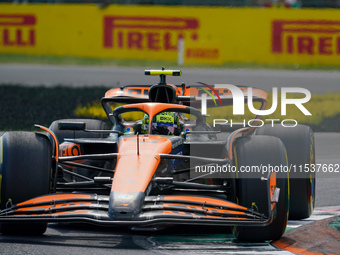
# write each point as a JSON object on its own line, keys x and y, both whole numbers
{"x": 165, "y": 123}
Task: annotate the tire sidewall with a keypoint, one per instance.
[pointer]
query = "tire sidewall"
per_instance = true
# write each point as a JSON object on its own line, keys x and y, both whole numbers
{"x": 300, "y": 147}
{"x": 252, "y": 151}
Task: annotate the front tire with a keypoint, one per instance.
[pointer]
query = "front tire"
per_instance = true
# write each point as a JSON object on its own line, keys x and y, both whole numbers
{"x": 26, "y": 163}
{"x": 299, "y": 143}
{"x": 255, "y": 151}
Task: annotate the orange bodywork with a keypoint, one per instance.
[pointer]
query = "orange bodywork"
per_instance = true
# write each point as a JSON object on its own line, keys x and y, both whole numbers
{"x": 205, "y": 210}
{"x": 142, "y": 92}
{"x": 58, "y": 213}
{"x": 54, "y": 197}
{"x": 204, "y": 200}
{"x": 69, "y": 149}
{"x": 58, "y": 206}
{"x": 132, "y": 199}
{"x": 180, "y": 213}
{"x": 272, "y": 184}
{"x": 134, "y": 172}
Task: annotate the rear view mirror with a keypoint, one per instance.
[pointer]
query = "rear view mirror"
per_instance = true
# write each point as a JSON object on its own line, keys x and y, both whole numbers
{"x": 80, "y": 126}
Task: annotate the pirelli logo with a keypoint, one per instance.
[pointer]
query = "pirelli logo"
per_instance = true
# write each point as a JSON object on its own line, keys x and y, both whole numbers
{"x": 306, "y": 37}
{"x": 17, "y": 30}
{"x": 148, "y": 33}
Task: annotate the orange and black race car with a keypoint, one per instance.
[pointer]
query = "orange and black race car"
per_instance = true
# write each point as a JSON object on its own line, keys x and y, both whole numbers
{"x": 160, "y": 164}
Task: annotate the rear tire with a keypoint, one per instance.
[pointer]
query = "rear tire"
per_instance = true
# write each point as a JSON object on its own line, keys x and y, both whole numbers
{"x": 26, "y": 173}
{"x": 254, "y": 151}
{"x": 299, "y": 143}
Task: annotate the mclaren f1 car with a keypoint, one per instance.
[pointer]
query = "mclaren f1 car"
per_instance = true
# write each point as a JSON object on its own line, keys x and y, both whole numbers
{"x": 141, "y": 170}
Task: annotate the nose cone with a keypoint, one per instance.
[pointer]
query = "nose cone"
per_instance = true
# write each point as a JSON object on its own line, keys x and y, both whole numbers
{"x": 125, "y": 205}
{"x": 134, "y": 173}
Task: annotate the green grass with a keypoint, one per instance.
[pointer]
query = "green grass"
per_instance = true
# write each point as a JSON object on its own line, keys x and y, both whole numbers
{"x": 21, "y": 107}
{"x": 70, "y": 60}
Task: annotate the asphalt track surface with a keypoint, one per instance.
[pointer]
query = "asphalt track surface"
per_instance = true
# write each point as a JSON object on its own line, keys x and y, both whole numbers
{"x": 80, "y": 239}
{"x": 89, "y": 240}
{"x": 319, "y": 82}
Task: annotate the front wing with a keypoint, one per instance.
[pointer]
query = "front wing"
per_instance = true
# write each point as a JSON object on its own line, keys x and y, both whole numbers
{"x": 164, "y": 209}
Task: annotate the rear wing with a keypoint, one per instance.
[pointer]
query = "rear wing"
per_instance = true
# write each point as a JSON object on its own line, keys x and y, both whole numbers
{"x": 191, "y": 95}
{"x": 188, "y": 95}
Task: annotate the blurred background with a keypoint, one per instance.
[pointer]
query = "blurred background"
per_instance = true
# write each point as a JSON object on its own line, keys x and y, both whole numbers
{"x": 60, "y": 57}
{"x": 234, "y": 3}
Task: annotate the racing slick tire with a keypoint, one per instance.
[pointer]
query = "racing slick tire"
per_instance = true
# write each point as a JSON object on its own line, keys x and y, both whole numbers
{"x": 251, "y": 191}
{"x": 299, "y": 143}
{"x": 26, "y": 163}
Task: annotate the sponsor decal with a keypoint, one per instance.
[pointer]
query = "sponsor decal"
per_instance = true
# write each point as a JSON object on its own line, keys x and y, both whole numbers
{"x": 147, "y": 32}
{"x": 17, "y": 30}
{"x": 156, "y": 33}
{"x": 69, "y": 150}
{"x": 306, "y": 37}
{"x": 128, "y": 129}
{"x": 204, "y": 53}
{"x": 187, "y": 129}
{"x": 166, "y": 119}
{"x": 137, "y": 92}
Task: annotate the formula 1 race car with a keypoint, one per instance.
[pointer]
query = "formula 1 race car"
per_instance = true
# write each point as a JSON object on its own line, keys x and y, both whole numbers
{"x": 154, "y": 167}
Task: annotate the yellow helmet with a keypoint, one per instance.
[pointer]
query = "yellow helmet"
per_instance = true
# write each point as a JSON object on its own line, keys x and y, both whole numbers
{"x": 164, "y": 123}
